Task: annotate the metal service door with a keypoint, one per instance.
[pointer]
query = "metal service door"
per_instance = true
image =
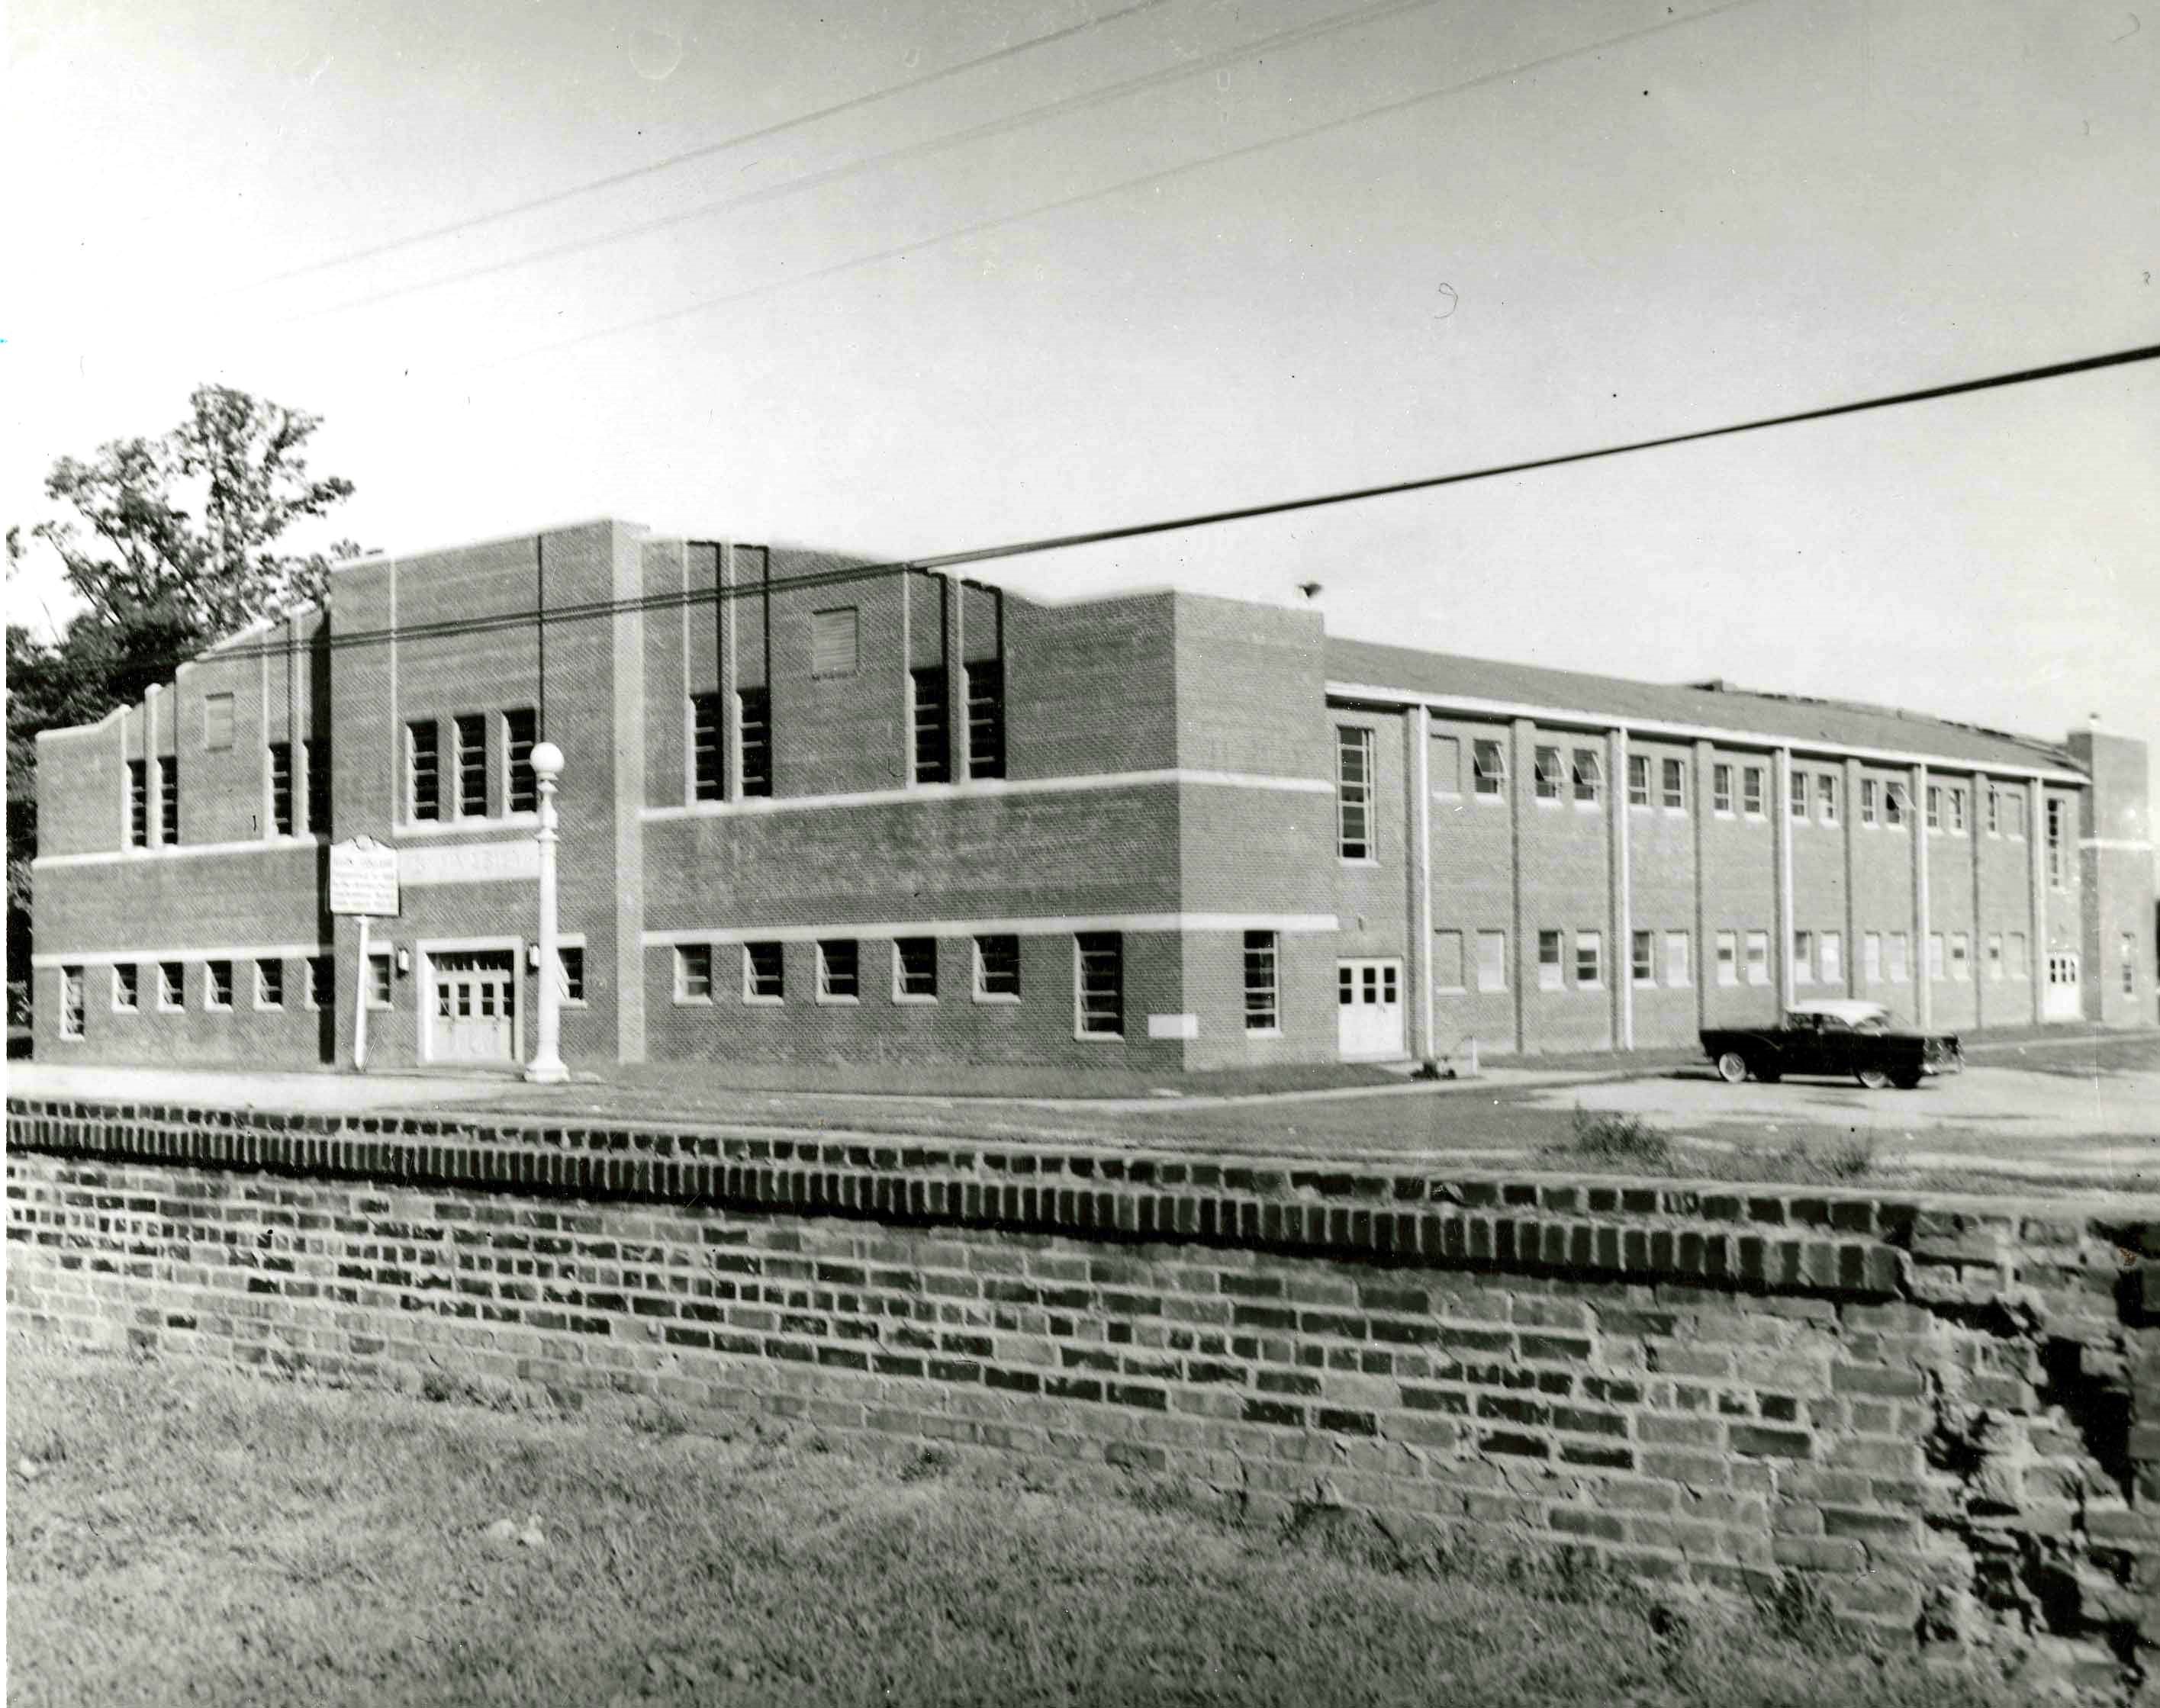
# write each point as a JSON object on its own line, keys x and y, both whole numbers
{"x": 1368, "y": 1010}
{"x": 472, "y": 1012}
{"x": 2063, "y": 1001}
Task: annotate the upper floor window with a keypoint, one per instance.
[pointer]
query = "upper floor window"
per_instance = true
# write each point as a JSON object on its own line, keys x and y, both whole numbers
{"x": 1826, "y": 797}
{"x": 1957, "y": 808}
{"x": 166, "y": 805}
{"x": 1934, "y": 807}
{"x": 986, "y": 719}
{"x": 1751, "y": 790}
{"x": 755, "y": 708}
{"x": 1353, "y": 791}
{"x": 71, "y": 1001}
{"x": 520, "y": 732}
{"x": 172, "y": 987}
{"x": 1721, "y": 788}
{"x": 1796, "y": 800}
{"x": 217, "y": 722}
{"x": 933, "y": 755}
{"x": 1673, "y": 775}
{"x": 833, "y": 641}
{"x": 1896, "y": 802}
{"x": 322, "y": 981}
{"x": 1548, "y": 774}
{"x": 1870, "y": 790}
{"x": 2058, "y": 821}
{"x": 1994, "y": 811}
{"x": 1263, "y": 1005}
{"x": 424, "y": 780}
{"x": 217, "y": 985}
{"x": 708, "y": 779}
{"x": 281, "y": 787}
{"x": 1589, "y": 775}
{"x": 570, "y": 972}
{"x": 469, "y": 732}
{"x": 316, "y": 763}
{"x": 138, "y": 803}
{"x": 1589, "y": 957}
{"x": 1638, "y": 780}
{"x": 125, "y": 988}
{"x": 1490, "y": 766}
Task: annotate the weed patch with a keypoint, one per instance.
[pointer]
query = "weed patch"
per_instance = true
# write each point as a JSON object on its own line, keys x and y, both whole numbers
{"x": 1615, "y": 1140}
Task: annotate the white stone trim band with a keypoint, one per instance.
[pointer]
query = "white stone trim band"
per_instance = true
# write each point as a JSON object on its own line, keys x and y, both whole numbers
{"x": 988, "y": 787}
{"x": 114, "y": 957}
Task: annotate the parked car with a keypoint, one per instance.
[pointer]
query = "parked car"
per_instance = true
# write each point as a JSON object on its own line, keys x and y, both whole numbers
{"x": 1833, "y": 1037}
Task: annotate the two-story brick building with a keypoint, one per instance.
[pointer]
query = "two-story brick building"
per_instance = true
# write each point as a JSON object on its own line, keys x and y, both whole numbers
{"x": 813, "y": 807}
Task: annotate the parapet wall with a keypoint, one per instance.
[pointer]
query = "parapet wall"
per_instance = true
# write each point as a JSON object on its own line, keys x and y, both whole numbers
{"x": 1944, "y": 1414}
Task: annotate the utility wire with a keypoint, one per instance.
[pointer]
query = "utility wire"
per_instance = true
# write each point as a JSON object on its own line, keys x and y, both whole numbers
{"x": 706, "y": 151}
{"x": 1373, "y": 12}
{"x": 851, "y": 572}
{"x": 979, "y": 226}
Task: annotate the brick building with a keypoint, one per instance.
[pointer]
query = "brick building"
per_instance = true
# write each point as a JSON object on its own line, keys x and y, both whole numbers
{"x": 813, "y": 807}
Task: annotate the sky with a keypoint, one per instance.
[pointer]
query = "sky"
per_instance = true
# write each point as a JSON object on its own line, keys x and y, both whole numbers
{"x": 1183, "y": 255}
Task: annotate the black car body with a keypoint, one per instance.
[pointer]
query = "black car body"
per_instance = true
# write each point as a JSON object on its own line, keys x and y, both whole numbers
{"x": 1835, "y": 1038}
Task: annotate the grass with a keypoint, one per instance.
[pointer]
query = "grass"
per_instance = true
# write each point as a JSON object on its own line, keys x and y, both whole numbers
{"x": 1612, "y": 1142}
{"x": 178, "y": 1534}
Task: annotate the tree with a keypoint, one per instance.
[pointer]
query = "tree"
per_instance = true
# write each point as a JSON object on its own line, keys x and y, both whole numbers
{"x": 175, "y": 543}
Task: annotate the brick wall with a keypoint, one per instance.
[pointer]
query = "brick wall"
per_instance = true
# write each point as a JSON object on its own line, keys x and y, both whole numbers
{"x": 1944, "y": 1415}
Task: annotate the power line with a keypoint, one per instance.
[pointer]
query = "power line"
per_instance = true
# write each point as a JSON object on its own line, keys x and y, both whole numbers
{"x": 1373, "y": 12}
{"x": 614, "y": 179}
{"x": 979, "y": 226}
{"x": 594, "y": 608}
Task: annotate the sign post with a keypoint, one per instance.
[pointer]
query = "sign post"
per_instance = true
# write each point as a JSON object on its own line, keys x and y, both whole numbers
{"x": 363, "y": 883}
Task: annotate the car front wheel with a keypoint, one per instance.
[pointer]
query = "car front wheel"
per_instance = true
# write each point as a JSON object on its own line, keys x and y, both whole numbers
{"x": 1732, "y": 1068}
{"x": 1874, "y": 1079}
{"x": 1906, "y": 1080}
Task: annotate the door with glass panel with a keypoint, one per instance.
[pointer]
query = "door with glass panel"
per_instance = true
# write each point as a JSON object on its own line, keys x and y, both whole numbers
{"x": 1368, "y": 1009}
{"x": 473, "y": 1005}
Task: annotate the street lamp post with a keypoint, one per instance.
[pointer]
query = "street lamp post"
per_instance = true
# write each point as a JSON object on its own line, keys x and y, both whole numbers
{"x": 546, "y": 1067}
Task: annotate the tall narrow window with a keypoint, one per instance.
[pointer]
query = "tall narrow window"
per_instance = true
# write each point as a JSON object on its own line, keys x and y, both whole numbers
{"x": 269, "y": 984}
{"x": 2057, "y": 819}
{"x": 322, "y": 981}
{"x": 168, "y": 801}
{"x": 521, "y": 730}
{"x": 1490, "y": 766}
{"x": 1353, "y": 793}
{"x": 1895, "y": 801}
{"x": 281, "y": 787}
{"x": 469, "y": 732}
{"x": 125, "y": 991}
{"x": 1589, "y": 957}
{"x": 172, "y": 986}
{"x": 1491, "y": 960}
{"x": 997, "y": 968}
{"x": 1826, "y": 798}
{"x": 424, "y": 780}
{"x": 71, "y": 1001}
{"x": 1680, "y": 970}
{"x": 1901, "y": 958}
{"x": 2127, "y": 954}
{"x": 1099, "y": 977}
{"x": 1957, "y": 808}
{"x": 1833, "y": 957}
{"x": 934, "y": 748}
{"x": 1751, "y": 783}
{"x": 570, "y": 972}
{"x": 316, "y": 754}
{"x": 1673, "y": 777}
{"x": 1868, "y": 790}
{"x": 1960, "y": 957}
{"x": 1728, "y": 957}
{"x": 1721, "y": 788}
{"x": 1642, "y": 964}
{"x": 1589, "y": 774}
{"x": 1934, "y": 807}
{"x": 1759, "y": 957}
{"x": 1638, "y": 780}
{"x": 1447, "y": 960}
{"x": 1803, "y": 958}
{"x": 217, "y": 985}
{"x": 986, "y": 719}
{"x": 217, "y": 722}
{"x": 1994, "y": 811}
{"x": 1550, "y": 975}
{"x": 1797, "y": 803}
{"x": 382, "y": 985}
{"x": 839, "y": 970}
{"x": 765, "y": 973}
{"x": 138, "y": 803}
{"x": 1263, "y": 1005}
{"x": 708, "y": 779}
{"x": 755, "y": 705}
{"x": 1550, "y": 777}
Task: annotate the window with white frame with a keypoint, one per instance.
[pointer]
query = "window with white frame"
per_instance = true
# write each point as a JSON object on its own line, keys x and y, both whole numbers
{"x": 1759, "y": 957}
{"x": 1550, "y": 777}
{"x": 985, "y": 685}
{"x": 1934, "y": 798}
{"x": 1728, "y": 957}
{"x": 1803, "y": 958}
{"x": 1098, "y": 979}
{"x": 217, "y": 985}
{"x": 138, "y": 803}
{"x": 1869, "y": 789}
{"x": 1831, "y": 954}
{"x": 570, "y": 974}
{"x": 1447, "y": 960}
{"x": 1680, "y": 963}
{"x": 126, "y": 992}
{"x": 1491, "y": 960}
{"x": 1353, "y": 791}
{"x": 915, "y": 969}
{"x": 423, "y": 784}
{"x": 754, "y": 739}
{"x": 1262, "y": 993}
{"x": 469, "y": 733}
{"x": 1643, "y": 957}
{"x": 932, "y": 717}
{"x": 765, "y": 973}
{"x": 269, "y": 982}
{"x": 1895, "y": 802}
{"x": 1751, "y": 790}
{"x": 281, "y": 787}
{"x": 1589, "y": 775}
{"x": 1826, "y": 796}
{"x": 1935, "y": 955}
{"x": 1721, "y": 789}
{"x": 1638, "y": 780}
{"x": 1490, "y": 765}
{"x": 709, "y": 777}
{"x": 1960, "y": 957}
{"x": 520, "y": 734}
{"x": 172, "y": 986}
{"x": 997, "y": 968}
{"x": 380, "y": 980}
{"x": 694, "y": 972}
{"x": 217, "y": 722}
{"x": 1901, "y": 971}
{"x": 1796, "y": 800}
{"x": 72, "y": 1017}
{"x": 839, "y": 970}
{"x": 1551, "y": 976}
{"x": 1957, "y": 806}
{"x": 1589, "y": 957}
{"x": 1994, "y": 810}
{"x": 1673, "y": 784}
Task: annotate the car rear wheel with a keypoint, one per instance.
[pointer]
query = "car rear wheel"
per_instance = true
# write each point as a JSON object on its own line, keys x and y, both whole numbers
{"x": 1905, "y": 1081}
{"x": 1732, "y": 1068}
{"x": 1874, "y": 1079}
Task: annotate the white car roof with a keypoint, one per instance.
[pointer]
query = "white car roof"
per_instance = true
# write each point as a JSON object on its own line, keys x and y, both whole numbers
{"x": 1850, "y": 1010}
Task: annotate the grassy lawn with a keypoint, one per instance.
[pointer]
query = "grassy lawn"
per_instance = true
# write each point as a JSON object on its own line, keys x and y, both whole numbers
{"x": 176, "y": 1534}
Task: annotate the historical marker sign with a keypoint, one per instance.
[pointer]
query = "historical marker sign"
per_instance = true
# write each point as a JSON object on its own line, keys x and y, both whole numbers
{"x": 364, "y": 878}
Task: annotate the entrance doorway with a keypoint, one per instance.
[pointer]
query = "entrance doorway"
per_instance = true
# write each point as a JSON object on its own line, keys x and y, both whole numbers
{"x": 1368, "y": 1010}
{"x": 2063, "y": 1001}
{"x": 473, "y": 1006}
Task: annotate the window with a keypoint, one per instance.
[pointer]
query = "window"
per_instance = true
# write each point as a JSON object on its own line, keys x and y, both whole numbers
{"x": 2057, "y": 819}
{"x": 1642, "y": 959}
{"x": 1678, "y": 960}
{"x": 915, "y": 969}
{"x": 315, "y": 759}
{"x": 217, "y": 985}
{"x": 708, "y": 777}
{"x": 2127, "y": 951}
{"x": 138, "y": 803}
{"x": 1826, "y": 797}
{"x": 933, "y": 751}
{"x": 71, "y": 1001}
{"x": 1796, "y": 803}
{"x": 986, "y": 719}
{"x": 1895, "y": 801}
{"x": 1589, "y": 775}
{"x": 2013, "y": 814}
{"x": 1446, "y": 766}
{"x": 521, "y": 730}
{"x": 1868, "y": 789}
{"x": 1491, "y": 960}
{"x": 1721, "y": 788}
{"x": 172, "y": 986}
{"x": 217, "y": 722}
{"x": 754, "y": 706}
{"x": 1994, "y": 811}
{"x": 281, "y": 787}
{"x": 1098, "y": 973}
{"x": 1353, "y": 793}
{"x": 1934, "y": 954}
{"x": 839, "y": 967}
{"x": 1491, "y": 767}
{"x": 765, "y": 973}
{"x": 1934, "y": 807}
{"x": 834, "y": 645}
{"x": 1638, "y": 780}
{"x": 1728, "y": 957}
{"x": 322, "y": 981}
{"x": 1832, "y": 951}
{"x": 269, "y": 984}
{"x": 169, "y": 801}
{"x": 694, "y": 972}
{"x": 1263, "y": 997}
{"x": 1870, "y": 958}
{"x": 1549, "y": 977}
{"x": 469, "y": 731}
{"x": 1759, "y": 957}
{"x": 1673, "y": 777}
{"x": 1957, "y": 808}
{"x": 997, "y": 968}
{"x": 125, "y": 993}
{"x": 1994, "y": 949}
{"x": 1547, "y": 773}
{"x": 378, "y": 978}
{"x": 570, "y": 973}
{"x": 2019, "y": 968}
{"x": 1960, "y": 957}
{"x": 1447, "y": 960}
{"x": 1751, "y": 790}
{"x": 424, "y": 796}
{"x": 1803, "y": 958}
{"x": 1900, "y": 959}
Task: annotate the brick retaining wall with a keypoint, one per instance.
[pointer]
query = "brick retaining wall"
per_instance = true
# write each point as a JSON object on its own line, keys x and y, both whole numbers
{"x": 1944, "y": 1414}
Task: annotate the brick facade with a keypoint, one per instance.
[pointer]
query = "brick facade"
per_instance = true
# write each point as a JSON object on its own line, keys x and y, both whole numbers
{"x": 1158, "y": 770}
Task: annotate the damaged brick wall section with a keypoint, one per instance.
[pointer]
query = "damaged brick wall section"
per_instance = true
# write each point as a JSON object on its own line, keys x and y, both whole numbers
{"x": 1942, "y": 1415}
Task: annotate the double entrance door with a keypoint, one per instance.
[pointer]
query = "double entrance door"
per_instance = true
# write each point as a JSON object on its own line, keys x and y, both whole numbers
{"x": 473, "y": 1009}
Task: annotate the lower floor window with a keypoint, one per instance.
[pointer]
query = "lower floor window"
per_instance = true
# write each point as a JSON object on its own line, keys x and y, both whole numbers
{"x": 1589, "y": 957}
{"x": 172, "y": 985}
{"x": 1263, "y": 1004}
{"x": 694, "y": 973}
{"x": 124, "y": 989}
{"x": 1803, "y": 958}
{"x": 1832, "y": 953}
{"x": 269, "y": 984}
{"x": 765, "y": 973}
{"x": 1678, "y": 959}
{"x": 1549, "y": 977}
{"x": 1728, "y": 957}
{"x": 997, "y": 968}
{"x": 915, "y": 969}
{"x": 570, "y": 972}
{"x": 1491, "y": 960}
{"x": 378, "y": 978}
{"x": 1759, "y": 957}
{"x": 217, "y": 987}
{"x": 2129, "y": 965}
{"x": 1099, "y": 977}
{"x": 838, "y": 970}
{"x": 322, "y": 981}
{"x": 71, "y": 1004}
{"x": 1642, "y": 964}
